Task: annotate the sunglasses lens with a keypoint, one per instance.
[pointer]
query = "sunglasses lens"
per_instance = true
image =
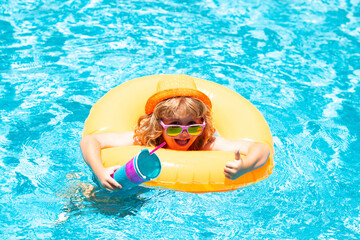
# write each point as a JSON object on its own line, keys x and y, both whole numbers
{"x": 195, "y": 130}
{"x": 173, "y": 131}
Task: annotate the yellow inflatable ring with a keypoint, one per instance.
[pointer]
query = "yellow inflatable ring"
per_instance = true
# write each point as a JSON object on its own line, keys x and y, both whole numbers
{"x": 191, "y": 171}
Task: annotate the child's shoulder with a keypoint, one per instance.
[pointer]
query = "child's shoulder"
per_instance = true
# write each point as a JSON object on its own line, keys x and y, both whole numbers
{"x": 210, "y": 144}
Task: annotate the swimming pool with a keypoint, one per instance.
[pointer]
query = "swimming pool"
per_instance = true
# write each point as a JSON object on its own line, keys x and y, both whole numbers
{"x": 297, "y": 61}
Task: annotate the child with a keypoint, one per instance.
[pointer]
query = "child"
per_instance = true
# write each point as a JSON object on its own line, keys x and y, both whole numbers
{"x": 180, "y": 115}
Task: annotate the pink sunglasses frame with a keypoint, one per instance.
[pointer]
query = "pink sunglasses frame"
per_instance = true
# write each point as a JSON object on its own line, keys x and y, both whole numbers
{"x": 183, "y": 127}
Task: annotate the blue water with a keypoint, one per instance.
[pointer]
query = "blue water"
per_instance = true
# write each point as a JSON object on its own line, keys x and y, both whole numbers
{"x": 297, "y": 61}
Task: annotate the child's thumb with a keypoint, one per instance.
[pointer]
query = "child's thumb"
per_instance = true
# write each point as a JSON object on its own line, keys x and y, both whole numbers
{"x": 237, "y": 155}
{"x": 114, "y": 168}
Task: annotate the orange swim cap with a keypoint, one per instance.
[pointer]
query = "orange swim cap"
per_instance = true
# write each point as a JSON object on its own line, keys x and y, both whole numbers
{"x": 179, "y": 86}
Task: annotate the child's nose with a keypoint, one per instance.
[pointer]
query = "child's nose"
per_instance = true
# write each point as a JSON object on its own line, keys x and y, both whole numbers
{"x": 184, "y": 133}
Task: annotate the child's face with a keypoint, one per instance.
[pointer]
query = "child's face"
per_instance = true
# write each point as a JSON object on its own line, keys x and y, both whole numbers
{"x": 184, "y": 140}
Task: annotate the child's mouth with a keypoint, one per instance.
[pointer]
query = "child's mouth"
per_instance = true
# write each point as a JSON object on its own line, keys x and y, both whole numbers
{"x": 182, "y": 142}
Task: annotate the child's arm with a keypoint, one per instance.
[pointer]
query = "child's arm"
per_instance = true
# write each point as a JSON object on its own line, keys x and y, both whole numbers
{"x": 256, "y": 156}
{"x": 91, "y": 146}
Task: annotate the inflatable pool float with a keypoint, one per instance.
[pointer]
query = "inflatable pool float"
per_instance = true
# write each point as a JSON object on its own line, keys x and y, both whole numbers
{"x": 191, "y": 171}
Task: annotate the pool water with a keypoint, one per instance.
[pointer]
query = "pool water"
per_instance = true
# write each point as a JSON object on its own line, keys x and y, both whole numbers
{"x": 297, "y": 61}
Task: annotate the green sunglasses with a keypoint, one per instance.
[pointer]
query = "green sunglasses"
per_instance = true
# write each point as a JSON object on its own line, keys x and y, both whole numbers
{"x": 174, "y": 130}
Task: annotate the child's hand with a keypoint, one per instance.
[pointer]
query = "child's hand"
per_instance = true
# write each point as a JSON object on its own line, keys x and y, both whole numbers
{"x": 107, "y": 181}
{"x": 233, "y": 169}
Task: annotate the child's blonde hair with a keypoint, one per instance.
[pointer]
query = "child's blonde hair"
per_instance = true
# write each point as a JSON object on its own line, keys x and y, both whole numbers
{"x": 148, "y": 131}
